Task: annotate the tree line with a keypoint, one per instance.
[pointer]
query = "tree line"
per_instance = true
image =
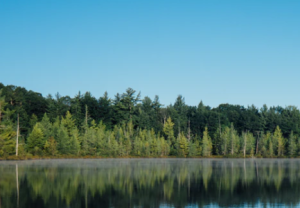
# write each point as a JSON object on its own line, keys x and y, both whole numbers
{"x": 128, "y": 125}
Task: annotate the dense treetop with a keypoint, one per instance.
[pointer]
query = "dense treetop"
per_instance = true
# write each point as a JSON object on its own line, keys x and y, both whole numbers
{"x": 129, "y": 124}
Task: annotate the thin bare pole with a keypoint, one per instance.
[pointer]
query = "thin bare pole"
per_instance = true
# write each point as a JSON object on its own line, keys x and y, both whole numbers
{"x": 17, "y": 142}
{"x": 257, "y": 141}
{"x": 189, "y": 131}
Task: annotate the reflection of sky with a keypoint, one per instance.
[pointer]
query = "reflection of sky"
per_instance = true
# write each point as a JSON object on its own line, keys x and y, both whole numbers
{"x": 215, "y": 205}
{"x": 163, "y": 183}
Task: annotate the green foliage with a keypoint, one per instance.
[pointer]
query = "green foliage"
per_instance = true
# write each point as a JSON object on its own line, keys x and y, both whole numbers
{"x": 248, "y": 143}
{"x": 62, "y": 139}
{"x": 206, "y": 144}
{"x": 279, "y": 141}
{"x": 292, "y": 145}
{"x": 234, "y": 141}
{"x": 128, "y": 125}
{"x": 33, "y": 121}
{"x": 168, "y": 129}
{"x": 225, "y": 141}
{"x": 182, "y": 146}
{"x": 36, "y": 140}
{"x": 7, "y": 140}
{"x": 50, "y": 147}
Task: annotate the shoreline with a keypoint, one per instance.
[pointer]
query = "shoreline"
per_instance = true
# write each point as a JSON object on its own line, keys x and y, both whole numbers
{"x": 25, "y": 158}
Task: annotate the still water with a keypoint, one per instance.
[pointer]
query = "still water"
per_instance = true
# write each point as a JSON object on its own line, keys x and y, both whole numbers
{"x": 150, "y": 183}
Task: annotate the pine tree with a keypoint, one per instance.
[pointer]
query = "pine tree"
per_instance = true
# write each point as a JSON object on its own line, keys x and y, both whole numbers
{"x": 154, "y": 147}
{"x": 68, "y": 122}
{"x": 46, "y": 126}
{"x": 280, "y": 141}
{"x": 182, "y": 145}
{"x": 7, "y": 130}
{"x": 101, "y": 138}
{"x": 192, "y": 149}
{"x": 165, "y": 147}
{"x": 168, "y": 129}
{"x": 206, "y": 144}
{"x": 244, "y": 140}
{"x": 137, "y": 147}
{"x": 217, "y": 142}
{"x": 234, "y": 140}
{"x": 50, "y": 147}
{"x": 225, "y": 141}
{"x": 33, "y": 121}
{"x": 264, "y": 143}
{"x": 127, "y": 146}
{"x": 271, "y": 147}
{"x": 2, "y": 104}
{"x": 35, "y": 140}
{"x": 74, "y": 144}
{"x": 7, "y": 139}
{"x": 248, "y": 143}
{"x": 292, "y": 146}
{"x": 114, "y": 145}
{"x": 62, "y": 140}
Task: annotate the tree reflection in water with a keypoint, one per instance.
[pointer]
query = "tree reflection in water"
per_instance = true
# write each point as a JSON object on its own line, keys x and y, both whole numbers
{"x": 150, "y": 183}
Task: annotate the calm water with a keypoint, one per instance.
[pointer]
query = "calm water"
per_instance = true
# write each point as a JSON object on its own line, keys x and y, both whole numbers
{"x": 150, "y": 183}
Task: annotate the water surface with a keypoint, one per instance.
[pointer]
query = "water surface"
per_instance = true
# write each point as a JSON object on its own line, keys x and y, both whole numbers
{"x": 150, "y": 183}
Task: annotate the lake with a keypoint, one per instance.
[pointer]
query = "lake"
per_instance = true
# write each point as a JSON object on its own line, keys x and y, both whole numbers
{"x": 148, "y": 183}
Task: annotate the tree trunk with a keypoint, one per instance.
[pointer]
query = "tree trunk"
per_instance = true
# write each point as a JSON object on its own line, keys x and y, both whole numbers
{"x": 17, "y": 142}
{"x": 189, "y": 132}
{"x": 245, "y": 144}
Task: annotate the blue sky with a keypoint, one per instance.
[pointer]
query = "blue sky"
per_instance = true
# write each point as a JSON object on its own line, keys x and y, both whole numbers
{"x": 238, "y": 52}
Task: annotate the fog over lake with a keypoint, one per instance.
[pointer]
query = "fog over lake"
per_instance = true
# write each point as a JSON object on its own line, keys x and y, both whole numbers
{"x": 150, "y": 183}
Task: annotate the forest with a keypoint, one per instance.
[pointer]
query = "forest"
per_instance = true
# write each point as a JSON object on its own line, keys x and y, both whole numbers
{"x": 128, "y": 125}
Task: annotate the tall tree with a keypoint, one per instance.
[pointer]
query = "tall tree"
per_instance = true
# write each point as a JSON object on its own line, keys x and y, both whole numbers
{"x": 292, "y": 145}
{"x": 206, "y": 144}
{"x": 280, "y": 141}
{"x": 168, "y": 129}
{"x": 35, "y": 140}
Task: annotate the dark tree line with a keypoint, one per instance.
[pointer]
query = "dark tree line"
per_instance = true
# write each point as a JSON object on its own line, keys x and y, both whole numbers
{"x": 85, "y": 124}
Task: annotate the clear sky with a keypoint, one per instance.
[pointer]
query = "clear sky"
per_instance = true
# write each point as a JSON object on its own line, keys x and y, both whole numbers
{"x": 233, "y": 51}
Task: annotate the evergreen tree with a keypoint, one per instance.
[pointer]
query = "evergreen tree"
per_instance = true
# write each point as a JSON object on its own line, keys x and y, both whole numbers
{"x": 74, "y": 144}
{"x": 292, "y": 146}
{"x": 206, "y": 144}
{"x": 7, "y": 139}
{"x": 234, "y": 141}
{"x": 137, "y": 146}
{"x": 225, "y": 141}
{"x": 264, "y": 144}
{"x": 182, "y": 145}
{"x": 46, "y": 127}
{"x": 192, "y": 149}
{"x": 68, "y": 123}
{"x": 127, "y": 146}
{"x": 63, "y": 140}
{"x": 36, "y": 140}
{"x": 280, "y": 141}
{"x": 271, "y": 146}
{"x": 50, "y": 147}
{"x": 2, "y": 104}
{"x": 33, "y": 121}
{"x": 168, "y": 129}
{"x": 7, "y": 132}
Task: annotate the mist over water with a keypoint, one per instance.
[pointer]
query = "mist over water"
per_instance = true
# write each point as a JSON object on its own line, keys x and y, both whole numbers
{"x": 150, "y": 183}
